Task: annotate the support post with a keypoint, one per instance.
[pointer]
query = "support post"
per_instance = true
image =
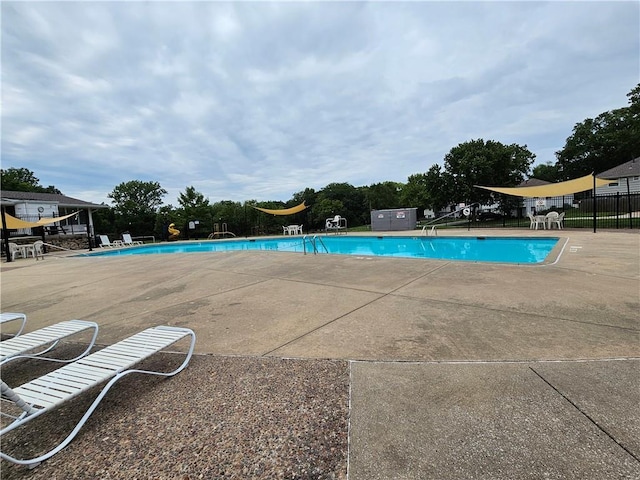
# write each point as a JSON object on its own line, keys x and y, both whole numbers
{"x": 629, "y": 204}
{"x": 594, "y": 202}
{"x": 5, "y": 235}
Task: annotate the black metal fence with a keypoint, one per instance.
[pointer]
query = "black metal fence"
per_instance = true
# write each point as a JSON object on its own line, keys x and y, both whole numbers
{"x": 614, "y": 211}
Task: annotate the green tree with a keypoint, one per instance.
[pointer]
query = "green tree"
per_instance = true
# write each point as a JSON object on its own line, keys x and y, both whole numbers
{"x": 231, "y": 213}
{"x": 326, "y": 208}
{"x": 439, "y": 187}
{"x": 23, "y": 180}
{"x": 484, "y": 163}
{"x": 104, "y": 221}
{"x": 415, "y": 192}
{"x": 135, "y": 206}
{"x": 166, "y": 215}
{"x": 428, "y": 190}
{"x": 379, "y": 196}
{"x": 308, "y": 196}
{"x": 549, "y": 172}
{"x": 598, "y": 144}
{"x": 354, "y": 206}
{"x": 195, "y": 207}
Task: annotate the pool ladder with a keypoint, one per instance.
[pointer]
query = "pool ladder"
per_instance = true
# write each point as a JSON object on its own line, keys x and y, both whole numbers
{"x": 431, "y": 233}
{"x": 314, "y": 243}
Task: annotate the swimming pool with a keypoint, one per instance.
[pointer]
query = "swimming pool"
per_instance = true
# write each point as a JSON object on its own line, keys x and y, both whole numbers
{"x": 475, "y": 249}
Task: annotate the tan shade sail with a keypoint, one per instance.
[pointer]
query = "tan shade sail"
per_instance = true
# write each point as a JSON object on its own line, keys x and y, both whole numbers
{"x": 284, "y": 211}
{"x": 553, "y": 189}
{"x": 14, "y": 223}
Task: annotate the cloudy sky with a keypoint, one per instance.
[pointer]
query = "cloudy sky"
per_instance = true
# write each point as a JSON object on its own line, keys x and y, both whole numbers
{"x": 259, "y": 100}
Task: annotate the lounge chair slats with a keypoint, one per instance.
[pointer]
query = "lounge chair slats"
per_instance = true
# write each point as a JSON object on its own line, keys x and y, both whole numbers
{"x": 45, "y": 338}
{"x": 38, "y": 399}
{"x": 86, "y": 372}
{"x": 107, "y": 365}
{"x": 65, "y": 387}
{"x": 67, "y": 381}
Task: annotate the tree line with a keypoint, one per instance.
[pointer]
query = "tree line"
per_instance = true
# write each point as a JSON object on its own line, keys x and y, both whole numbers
{"x": 595, "y": 145}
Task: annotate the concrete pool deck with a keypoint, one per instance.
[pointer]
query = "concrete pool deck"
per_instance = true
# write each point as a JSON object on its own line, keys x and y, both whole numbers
{"x": 455, "y": 369}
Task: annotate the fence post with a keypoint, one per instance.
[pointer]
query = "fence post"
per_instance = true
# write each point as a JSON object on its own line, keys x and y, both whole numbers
{"x": 617, "y": 210}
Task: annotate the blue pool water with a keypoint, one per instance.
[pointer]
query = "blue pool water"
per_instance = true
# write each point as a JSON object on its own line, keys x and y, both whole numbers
{"x": 475, "y": 249}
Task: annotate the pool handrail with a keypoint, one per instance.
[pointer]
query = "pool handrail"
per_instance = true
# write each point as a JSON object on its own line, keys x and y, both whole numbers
{"x": 312, "y": 240}
{"x": 433, "y": 230}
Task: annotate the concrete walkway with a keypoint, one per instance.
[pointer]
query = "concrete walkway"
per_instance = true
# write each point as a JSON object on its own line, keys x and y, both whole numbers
{"x": 458, "y": 370}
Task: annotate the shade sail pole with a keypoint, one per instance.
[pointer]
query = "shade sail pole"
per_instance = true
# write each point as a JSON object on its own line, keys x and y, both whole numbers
{"x": 5, "y": 235}
{"x": 594, "y": 202}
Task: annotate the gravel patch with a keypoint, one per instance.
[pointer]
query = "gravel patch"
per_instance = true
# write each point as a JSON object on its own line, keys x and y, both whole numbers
{"x": 221, "y": 418}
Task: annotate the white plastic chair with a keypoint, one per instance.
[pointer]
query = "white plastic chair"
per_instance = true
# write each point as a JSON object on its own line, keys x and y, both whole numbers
{"x": 537, "y": 220}
{"x": 37, "y": 249}
{"x": 558, "y": 221}
{"x": 15, "y": 251}
{"x": 550, "y": 218}
{"x": 46, "y": 393}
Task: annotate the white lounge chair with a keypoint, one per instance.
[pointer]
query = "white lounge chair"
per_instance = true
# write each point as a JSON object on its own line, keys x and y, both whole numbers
{"x": 44, "y": 340}
{"x": 106, "y": 243}
{"x": 12, "y": 317}
{"x": 110, "y": 364}
{"x": 128, "y": 242}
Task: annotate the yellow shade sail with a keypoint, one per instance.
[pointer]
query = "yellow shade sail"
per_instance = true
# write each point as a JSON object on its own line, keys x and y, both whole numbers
{"x": 284, "y": 211}
{"x": 14, "y": 223}
{"x": 553, "y": 189}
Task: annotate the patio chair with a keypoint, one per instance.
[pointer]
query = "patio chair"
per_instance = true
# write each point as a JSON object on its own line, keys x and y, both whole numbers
{"x": 558, "y": 221}
{"x": 37, "y": 249}
{"x": 44, "y": 340}
{"x": 15, "y": 251}
{"x": 537, "y": 220}
{"x": 127, "y": 241}
{"x": 110, "y": 364}
{"x": 550, "y": 218}
{"x": 12, "y": 317}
